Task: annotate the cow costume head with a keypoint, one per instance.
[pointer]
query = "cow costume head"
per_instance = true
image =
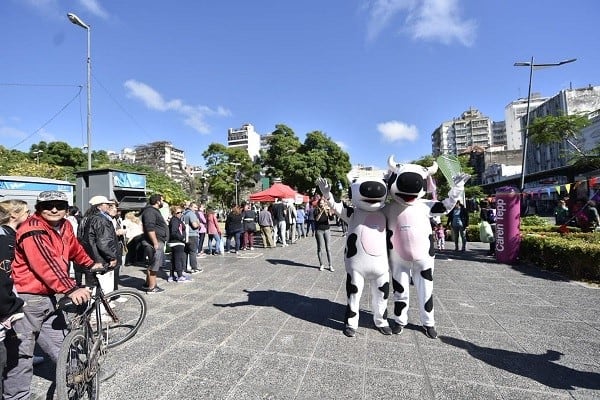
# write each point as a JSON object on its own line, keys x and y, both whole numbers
{"x": 368, "y": 194}
{"x": 409, "y": 181}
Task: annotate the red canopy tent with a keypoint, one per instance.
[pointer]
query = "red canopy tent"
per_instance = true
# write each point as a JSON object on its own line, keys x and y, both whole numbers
{"x": 278, "y": 190}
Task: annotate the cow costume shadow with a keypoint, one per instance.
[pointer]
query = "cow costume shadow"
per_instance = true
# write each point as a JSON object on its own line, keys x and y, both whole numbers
{"x": 311, "y": 309}
{"x": 539, "y": 367}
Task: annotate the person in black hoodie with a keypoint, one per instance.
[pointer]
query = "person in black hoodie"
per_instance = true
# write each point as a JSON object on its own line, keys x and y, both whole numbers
{"x": 12, "y": 214}
{"x": 177, "y": 246}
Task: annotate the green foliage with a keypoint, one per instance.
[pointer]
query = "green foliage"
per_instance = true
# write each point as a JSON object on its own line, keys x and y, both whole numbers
{"x": 534, "y": 220}
{"x": 221, "y": 172}
{"x": 300, "y": 164}
{"x": 569, "y": 255}
{"x": 556, "y": 128}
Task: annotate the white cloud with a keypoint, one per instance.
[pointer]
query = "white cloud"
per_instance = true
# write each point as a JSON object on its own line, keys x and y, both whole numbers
{"x": 93, "y": 7}
{"x": 394, "y": 131}
{"x": 194, "y": 116}
{"x": 435, "y": 20}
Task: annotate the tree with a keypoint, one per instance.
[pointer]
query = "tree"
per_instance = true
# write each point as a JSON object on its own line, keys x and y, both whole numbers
{"x": 300, "y": 164}
{"x": 222, "y": 170}
{"x": 558, "y": 128}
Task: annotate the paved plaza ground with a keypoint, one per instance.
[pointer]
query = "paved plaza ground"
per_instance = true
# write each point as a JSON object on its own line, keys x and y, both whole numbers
{"x": 266, "y": 324}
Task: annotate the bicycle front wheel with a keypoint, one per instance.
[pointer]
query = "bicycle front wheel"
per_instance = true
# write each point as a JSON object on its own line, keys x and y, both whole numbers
{"x": 76, "y": 378}
{"x": 128, "y": 311}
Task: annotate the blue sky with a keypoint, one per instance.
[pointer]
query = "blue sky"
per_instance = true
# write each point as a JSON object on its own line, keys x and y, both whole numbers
{"x": 376, "y": 76}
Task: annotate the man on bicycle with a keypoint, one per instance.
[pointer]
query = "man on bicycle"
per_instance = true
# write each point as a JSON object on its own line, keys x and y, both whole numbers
{"x": 45, "y": 244}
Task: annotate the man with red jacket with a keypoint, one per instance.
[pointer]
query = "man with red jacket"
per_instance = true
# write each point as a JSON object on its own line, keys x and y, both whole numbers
{"x": 45, "y": 244}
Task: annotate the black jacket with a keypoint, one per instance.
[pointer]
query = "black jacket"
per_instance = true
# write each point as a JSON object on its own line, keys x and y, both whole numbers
{"x": 97, "y": 235}
{"x": 9, "y": 302}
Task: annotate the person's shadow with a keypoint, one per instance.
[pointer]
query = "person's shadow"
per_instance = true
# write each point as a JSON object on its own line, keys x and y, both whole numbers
{"x": 539, "y": 367}
{"x": 316, "y": 310}
{"x": 283, "y": 261}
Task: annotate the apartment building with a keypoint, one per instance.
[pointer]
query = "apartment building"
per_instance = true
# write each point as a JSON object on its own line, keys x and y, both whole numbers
{"x": 246, "y": 138}
{"x": 164, "y": 157}
{"x": 461, "y": 134}
{"x": 543, "y": 157}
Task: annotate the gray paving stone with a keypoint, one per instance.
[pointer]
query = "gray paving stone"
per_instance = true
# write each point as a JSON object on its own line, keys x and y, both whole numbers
{"x": 268, "y": 326}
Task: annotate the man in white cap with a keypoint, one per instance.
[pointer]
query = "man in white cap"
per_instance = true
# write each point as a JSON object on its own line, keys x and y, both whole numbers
{"x": 45, "y": 243}
{"x": 97, "y": 235}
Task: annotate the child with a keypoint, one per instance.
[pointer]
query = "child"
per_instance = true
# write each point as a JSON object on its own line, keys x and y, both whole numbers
{"x": 440, "y": 236}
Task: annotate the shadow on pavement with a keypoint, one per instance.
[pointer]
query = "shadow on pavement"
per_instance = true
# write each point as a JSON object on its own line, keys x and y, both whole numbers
{"x": 539, "y": 367}
{"x": 316, "y": 310}
{"x": 277, "y": 261}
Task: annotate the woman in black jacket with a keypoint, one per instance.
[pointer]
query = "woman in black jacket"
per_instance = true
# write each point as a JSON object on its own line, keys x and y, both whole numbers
{"x": 12, "y": 214}
{"x": 177, "y": 246}
{"x": 234, "y": 228}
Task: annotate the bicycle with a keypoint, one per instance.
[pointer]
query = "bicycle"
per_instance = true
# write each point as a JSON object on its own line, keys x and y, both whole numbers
{"x": 104, "y": 322}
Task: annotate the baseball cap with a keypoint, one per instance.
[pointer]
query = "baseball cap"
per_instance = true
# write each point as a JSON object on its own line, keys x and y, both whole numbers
{"x": 52, "y": 195}
{"x": 97, "y": 200}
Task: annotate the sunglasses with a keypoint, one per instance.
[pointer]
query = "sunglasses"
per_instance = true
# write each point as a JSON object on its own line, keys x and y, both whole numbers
{"x": 59, "y": 205}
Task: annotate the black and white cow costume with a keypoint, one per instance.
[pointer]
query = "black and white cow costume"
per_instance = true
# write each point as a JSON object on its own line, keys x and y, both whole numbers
{"x": 410, "y": 237}
{"x": 365, "y": 255}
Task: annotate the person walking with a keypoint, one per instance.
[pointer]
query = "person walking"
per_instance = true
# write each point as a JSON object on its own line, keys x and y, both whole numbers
{"x": 214, "y": 232}
{"x": 459, "y": 220}
{"x": 265, "y": 221}
{"x": 156, "y": 233}
{"x": 322, "y": 233}
{"x": 45, "y": 243}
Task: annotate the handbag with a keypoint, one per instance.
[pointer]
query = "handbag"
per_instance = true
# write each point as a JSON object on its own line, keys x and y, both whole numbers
{"x": 486, "y": 234}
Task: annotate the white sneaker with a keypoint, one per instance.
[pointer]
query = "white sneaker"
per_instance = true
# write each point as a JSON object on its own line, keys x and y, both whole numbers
{"x": 321, "y": 268}
{"x": 331, "y": 268}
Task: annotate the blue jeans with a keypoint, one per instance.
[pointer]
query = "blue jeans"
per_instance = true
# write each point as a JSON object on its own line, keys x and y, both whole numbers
{"x": 217, "y": 248}
{"x": 237, "y": 235}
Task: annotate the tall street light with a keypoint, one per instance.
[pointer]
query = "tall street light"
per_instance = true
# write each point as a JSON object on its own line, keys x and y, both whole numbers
{"x": 236, "y": 179}
{"x": 531, "y": 66}
{"x": 37, "y": 156}
{"x": 77, "y": 21}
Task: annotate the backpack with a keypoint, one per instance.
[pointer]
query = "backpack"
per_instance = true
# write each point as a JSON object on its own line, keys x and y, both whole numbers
{"x": 491, "y": 216}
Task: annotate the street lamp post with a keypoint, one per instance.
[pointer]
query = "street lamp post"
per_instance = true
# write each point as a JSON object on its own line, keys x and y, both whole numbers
{"x": 37, "y": 156}
{"x": 531, "y": 66}
{"x": 236, "y": 179}
{"x": 77, "y": 21}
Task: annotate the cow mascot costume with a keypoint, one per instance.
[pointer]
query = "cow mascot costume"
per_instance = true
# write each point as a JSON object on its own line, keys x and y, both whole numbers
{"x": 365, "y": 255}
{"x": 410, "y": 237}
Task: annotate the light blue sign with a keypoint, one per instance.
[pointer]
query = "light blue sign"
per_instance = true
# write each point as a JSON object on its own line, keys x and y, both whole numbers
{"x": 129, "y": 180}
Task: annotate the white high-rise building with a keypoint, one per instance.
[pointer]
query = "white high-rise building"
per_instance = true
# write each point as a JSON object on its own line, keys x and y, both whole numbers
{"x": 512, "y": 117}
{"x": 245, "y": 137}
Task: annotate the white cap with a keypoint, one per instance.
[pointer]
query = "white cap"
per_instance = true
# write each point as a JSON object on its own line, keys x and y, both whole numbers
{"x": 97, "y": 200}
